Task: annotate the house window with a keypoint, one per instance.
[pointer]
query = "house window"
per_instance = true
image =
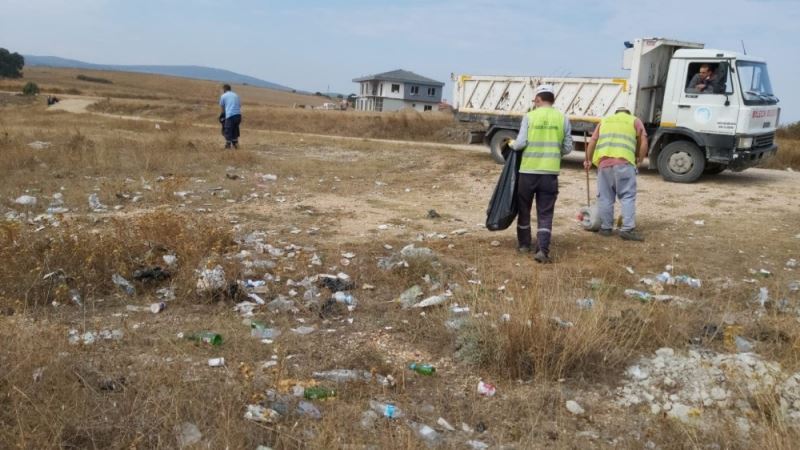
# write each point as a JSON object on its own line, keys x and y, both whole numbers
{"x": 431, "y": 92}
{"x": 428, "y": 107}
{"x": 395, "y": 88}
{"x": 414, "y": 90}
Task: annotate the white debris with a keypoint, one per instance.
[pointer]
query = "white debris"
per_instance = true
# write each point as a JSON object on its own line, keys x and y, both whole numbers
{"x": 26, "y": 200}
{"x": 39, "y": 145}
{"x": 94, "y": 203}
{"x": 211, "y": 280}
{"x": 445, "y": 424}
{"x": 575, "y": 408}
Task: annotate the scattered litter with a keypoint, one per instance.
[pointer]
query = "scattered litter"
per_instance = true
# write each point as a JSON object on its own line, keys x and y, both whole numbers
{"x": 303, "y": 330}
{"x": 123, "y": 284}
{"x": 459, "y": 232}
{"x": 630, "y": 270}
{"x": 170, "y": 260}
{"x": 700, "y": 223}
{"x": 794, "y": 286}
{"x": 585, "y": 303}
{"x": 26, "y": 200}
{"x": 258, "y": 413}
{"x": 430, "y": 436}
{"x": 744, "y": 345}
{"x": 267, "y": 177}
{"x": 211, "y": 280}
{"x": 38, "y": 374}
{"x": 422, "y": 369}
{"x": 94, "y": 203}
{"x": 216, "y": 362}
{"x": 280, "y": 305}
{"x": 432, "y": 214}
{"x": 495, "y": 243}
{"x": 765, "y": 273}
{"x": 349, "y": 255}
{"x": 262, "y": 331}
{"x": 256, "y": 298}
{"x": 90, "y": 337}
{"x": 409, "y": 251}
{"x": 386, "y": 409}
{"x": 643, "y": 297}
{"x": 486, "y": 389}
{"x": 391, "y": 262}
{"x": 308, "y": 409}
{"x": 336, "y": 283}
{"x": 791, "y": 264}
{"x": 154, "y": 273}
{"x": 575, "y": 408}
{"x": 763, "y": 297}
{"x": 39, "y": 145}
{"x": 477, "y": 445}
{"x": 205, "y": 337}
{"x": 188, "y": 434}
{"x": 432, "y": 301}
{"x": 559, "y": 322}
{"x": 156, "y": 308}
{"x": 445, "y": 424}
{"x": 318, "y": 393}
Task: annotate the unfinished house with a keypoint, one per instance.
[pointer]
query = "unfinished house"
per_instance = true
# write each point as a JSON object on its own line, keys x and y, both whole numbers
{"x": 396, "y": 90}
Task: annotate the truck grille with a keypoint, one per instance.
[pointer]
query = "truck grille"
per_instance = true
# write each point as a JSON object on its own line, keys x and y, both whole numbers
{"x": 764, "y": 140}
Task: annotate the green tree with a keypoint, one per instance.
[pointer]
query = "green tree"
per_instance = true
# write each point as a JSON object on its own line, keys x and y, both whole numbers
{"x": 30, "y": 88}
{"x": 10, "y": 64}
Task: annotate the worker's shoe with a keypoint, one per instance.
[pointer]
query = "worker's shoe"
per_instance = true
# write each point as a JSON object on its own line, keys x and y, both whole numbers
{"x": 542, "y": 258}
{"x": 227, "y": 146}
{"x": 631, "y": 235}
{"x": 604, "y": 232}
{"x": 524, "y": 249}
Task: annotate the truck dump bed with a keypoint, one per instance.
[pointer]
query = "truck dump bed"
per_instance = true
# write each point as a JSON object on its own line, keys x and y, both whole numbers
{"x": 583, "y": 99}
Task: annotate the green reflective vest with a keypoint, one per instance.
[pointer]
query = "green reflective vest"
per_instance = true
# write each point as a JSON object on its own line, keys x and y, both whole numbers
{"x": 545, "y": 137}
{"x": 617, "y": 138}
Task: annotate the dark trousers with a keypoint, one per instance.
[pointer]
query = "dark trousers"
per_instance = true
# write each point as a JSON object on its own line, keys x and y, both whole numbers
{"x": 230, "y": 129}
{"x": 544, "y": 189}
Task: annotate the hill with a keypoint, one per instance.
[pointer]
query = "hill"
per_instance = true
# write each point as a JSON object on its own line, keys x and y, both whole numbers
{"x": 196, "y": 72}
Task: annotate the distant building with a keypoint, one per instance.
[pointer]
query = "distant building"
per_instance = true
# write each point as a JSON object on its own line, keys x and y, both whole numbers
{"x": 396, "y": 90}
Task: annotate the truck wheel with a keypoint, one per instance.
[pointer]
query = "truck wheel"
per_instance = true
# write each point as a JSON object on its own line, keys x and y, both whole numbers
{"x": 498, "y": 145}
{"x": 714, "y": 168}
{"x": 681, "y": 162}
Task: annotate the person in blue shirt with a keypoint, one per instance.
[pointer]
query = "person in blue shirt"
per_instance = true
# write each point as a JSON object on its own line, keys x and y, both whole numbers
{"x": 231, "y": 116}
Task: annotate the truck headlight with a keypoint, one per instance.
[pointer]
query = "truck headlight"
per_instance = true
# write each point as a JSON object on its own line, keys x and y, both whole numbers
{"x": 744, "y": 142}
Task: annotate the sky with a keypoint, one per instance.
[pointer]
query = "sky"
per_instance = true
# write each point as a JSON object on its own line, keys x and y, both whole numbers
{"x": 312, "y": 45}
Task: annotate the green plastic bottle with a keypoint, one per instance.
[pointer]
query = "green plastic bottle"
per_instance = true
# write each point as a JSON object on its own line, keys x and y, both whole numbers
{"x": 206, "y": 337}
{"x": 318, "y": 393}
{"x": 422, "y": 369}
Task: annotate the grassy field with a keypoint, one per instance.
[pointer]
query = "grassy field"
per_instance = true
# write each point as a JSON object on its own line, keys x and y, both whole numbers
{"x": 350, "y": 206}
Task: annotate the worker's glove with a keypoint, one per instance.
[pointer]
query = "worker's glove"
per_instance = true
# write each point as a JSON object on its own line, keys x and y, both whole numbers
{"x": 510, "y": 143}
{"x": 587, "y": 164}
{"x": 222, "y": 118}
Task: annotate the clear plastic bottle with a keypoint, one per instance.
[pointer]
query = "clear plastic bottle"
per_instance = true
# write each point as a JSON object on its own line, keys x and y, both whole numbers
{"x": 385, "y": 409}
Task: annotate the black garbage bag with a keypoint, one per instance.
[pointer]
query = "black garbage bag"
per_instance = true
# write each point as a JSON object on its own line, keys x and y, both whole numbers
{"x": 502, "y": 210}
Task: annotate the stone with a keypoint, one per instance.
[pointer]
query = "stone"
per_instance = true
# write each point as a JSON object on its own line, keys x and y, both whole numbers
{"x": 665, "y": 352}
{"x": 575, "y": 408}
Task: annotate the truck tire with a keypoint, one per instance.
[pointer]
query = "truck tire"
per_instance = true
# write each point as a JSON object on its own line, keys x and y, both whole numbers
{"x": 497, "y": 145}
{"x": 681, "y": 162}
{"x": 714, "y": 168}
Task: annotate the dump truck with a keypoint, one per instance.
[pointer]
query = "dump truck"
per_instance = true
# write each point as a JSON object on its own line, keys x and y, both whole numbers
{"x": 691, "y": 132}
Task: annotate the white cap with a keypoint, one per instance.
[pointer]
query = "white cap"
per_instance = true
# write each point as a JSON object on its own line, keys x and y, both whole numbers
{"x": 543, "y": 88}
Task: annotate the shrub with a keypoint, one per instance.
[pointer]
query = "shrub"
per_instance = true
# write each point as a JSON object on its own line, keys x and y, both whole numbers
{"x": 30, "y": 88}
{"x": 94, "y": 79}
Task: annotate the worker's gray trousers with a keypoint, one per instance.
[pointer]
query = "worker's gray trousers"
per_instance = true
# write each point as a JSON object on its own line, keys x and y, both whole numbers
{"x": 612, "y": 183}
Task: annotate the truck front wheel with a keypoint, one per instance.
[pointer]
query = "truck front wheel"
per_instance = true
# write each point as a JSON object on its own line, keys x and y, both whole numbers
{"x": 498, "y": 145}
{"x": 681, "y": 162}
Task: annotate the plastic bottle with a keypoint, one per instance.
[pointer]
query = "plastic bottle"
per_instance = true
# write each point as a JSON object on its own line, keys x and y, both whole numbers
{"x": 318, "y": 393}
{"x": 206, "y": 337}
{"x": 422, "y": 369}
{"x": 385, "y": 409}
{"x": 262, "y": 331}
{"x": 346, "y": 298}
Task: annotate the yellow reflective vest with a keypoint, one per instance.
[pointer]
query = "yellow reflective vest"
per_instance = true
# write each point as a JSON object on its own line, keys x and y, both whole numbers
{"x": 545, "y": 137}
{"x": 617, "y": 138}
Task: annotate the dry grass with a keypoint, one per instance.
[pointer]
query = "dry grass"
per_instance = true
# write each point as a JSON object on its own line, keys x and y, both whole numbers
{"x": 788, "y": 156}
{"x": 132, "y": 393}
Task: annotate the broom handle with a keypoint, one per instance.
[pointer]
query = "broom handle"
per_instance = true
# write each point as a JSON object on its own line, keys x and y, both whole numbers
{"x": 585, "y": 157}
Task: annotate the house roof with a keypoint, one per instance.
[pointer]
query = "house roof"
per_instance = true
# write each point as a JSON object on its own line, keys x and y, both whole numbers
{"x": 400, "y": 75}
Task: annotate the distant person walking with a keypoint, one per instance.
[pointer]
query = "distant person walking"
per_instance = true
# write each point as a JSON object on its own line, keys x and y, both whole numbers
{"x": 231, "y": 116}
{"x": 544, "y": 137}
{"x": 617, "y": 147}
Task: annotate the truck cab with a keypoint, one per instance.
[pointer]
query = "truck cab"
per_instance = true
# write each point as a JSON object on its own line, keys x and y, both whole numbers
{"x": 705, "y": 110}
{"x": 719, "y": 112}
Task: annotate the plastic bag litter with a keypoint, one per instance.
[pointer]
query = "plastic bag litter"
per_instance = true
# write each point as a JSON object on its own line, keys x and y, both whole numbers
{"x": 502, "y": 210}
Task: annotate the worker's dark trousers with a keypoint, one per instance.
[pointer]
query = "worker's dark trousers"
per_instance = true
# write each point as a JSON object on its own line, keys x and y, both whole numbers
{"x": 544, "y": 189}
{"x": 230, "y": 129}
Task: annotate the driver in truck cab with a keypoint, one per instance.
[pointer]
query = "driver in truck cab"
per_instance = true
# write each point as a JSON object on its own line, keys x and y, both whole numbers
{"x": 705, "y": 81}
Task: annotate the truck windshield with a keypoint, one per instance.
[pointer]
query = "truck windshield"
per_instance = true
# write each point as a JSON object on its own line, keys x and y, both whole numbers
{"x": 756, "y": 87}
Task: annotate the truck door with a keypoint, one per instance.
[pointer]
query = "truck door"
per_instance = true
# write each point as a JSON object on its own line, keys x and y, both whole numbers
{"x": 706, "y": 103}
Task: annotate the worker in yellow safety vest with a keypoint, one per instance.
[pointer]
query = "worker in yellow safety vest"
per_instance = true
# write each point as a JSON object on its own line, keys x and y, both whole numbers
{"x": 544, "y": 137}
{"x": 617, "y": 147}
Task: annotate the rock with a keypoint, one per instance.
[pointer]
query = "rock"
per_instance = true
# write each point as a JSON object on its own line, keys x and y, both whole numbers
{"x": 719, "y": 394}
{"x": 410, "y": 296}
{"x": 575, "y": 408}
{"x": 495, "y": 243}
{"x": 26, "y": 200}
{"x": 368, "y": 419}
{"x": 432, "y": 214}
{"x": 681, "y": 412}
{"x": 637, "y": 373}
{"x": 459, "y": 232}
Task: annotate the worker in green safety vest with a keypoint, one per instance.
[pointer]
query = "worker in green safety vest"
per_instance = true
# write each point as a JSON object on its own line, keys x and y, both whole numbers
{"x": 617, "y": 147}
{"x": 544, "y": 137}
